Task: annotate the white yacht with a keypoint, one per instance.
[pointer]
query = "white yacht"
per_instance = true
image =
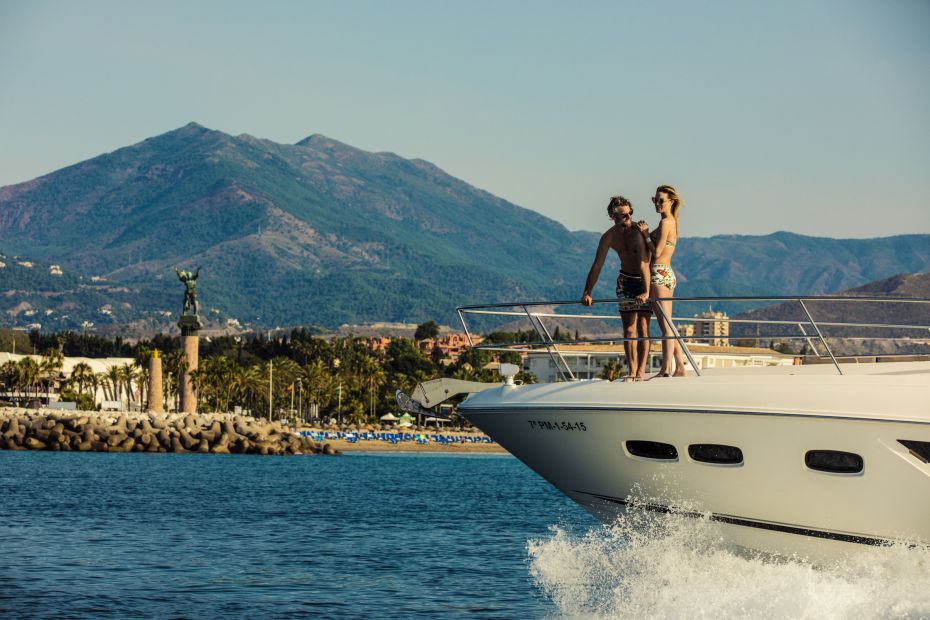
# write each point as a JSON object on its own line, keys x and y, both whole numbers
{"x": 812, "y": 460}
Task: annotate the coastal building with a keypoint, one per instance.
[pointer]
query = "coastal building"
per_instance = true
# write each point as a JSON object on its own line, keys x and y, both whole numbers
{"x": 450, "y": 346}
{"x": 378, "y": 344}
{"x": 98, "y": 365}
{"x": 709, "y": 328}
{"x": 588, "y": 361}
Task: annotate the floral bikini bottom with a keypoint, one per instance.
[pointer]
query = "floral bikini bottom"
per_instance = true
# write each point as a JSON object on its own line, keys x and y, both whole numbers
{"x": 663, "y": 275}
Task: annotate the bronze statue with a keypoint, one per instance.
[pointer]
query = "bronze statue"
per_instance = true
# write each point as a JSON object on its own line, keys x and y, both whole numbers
{"x": 190, "y": 292}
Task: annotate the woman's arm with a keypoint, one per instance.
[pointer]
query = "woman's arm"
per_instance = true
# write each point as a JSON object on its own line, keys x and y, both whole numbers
{"x": 647, "y": 236}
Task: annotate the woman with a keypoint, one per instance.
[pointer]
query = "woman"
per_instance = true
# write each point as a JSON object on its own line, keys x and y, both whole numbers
{"x": 661, "y": 242}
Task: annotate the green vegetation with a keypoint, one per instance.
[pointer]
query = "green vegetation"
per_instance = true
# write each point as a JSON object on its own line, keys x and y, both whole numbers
{"x": 322, "y": 233}
{"x": 344, "y": 377}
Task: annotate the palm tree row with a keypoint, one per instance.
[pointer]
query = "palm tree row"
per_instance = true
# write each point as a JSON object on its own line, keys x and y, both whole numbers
{"x": 345, "y": 378}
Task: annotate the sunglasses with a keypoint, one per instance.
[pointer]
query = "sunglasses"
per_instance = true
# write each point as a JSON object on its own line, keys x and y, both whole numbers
{"x": 622, "y": 216}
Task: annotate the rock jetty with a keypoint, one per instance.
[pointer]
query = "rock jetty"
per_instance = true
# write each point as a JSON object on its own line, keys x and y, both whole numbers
{"x": 24, "y": 429}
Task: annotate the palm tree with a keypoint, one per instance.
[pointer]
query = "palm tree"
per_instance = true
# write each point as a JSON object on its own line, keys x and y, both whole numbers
{"x": 611, "y": 370}
{"x": 49, "y": 367}
{"x": 28, "y": 374}
{"x": 9, "y": 376}
{"x": 174, "y": 365}
{"x": 81, "y": 374}
{"x": 129, "y": 374}
{"x": 114, "y": 379}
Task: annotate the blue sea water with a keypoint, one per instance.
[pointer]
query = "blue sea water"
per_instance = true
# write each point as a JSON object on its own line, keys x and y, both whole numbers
{"x": 361, "y": 535}
{"x": 90, "y": 535}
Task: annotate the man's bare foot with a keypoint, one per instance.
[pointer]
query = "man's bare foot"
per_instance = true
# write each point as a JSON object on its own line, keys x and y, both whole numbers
{"x": 657, "y": 375}
{"x": 679, "y": 373}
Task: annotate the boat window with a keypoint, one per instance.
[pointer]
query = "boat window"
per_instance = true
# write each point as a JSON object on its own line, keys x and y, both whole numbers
{"x": 652, "y": 450}
{"x": 834, "y": 461}
{"x": 715, "y": 453}
{"x": 920, "y": 449}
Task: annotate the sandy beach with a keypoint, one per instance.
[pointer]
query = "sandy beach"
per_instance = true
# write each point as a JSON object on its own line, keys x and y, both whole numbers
{"x": 412, "y": 446}
{"x": 378, "y": 445}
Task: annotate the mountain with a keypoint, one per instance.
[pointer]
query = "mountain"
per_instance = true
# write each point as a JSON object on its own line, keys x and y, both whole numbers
{"x": 316, "y": 232}
{"x": 319, "y": 232}
{"x": 846, "y": 340}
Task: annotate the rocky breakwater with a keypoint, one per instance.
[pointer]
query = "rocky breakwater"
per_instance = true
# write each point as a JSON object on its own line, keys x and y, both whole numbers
{"x": 23, "y": 429}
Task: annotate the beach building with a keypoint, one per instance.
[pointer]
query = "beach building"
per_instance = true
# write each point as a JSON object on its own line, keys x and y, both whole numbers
{"x": 99, "y": 365}
{"x": 587, "y": 361}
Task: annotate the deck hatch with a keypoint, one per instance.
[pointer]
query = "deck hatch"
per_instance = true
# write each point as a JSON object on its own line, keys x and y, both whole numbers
{"x": 652, "y": 450}
{"x": 920, "y": 449}
{"x": 834, "y": 461}
{"x": 716, "y": 454}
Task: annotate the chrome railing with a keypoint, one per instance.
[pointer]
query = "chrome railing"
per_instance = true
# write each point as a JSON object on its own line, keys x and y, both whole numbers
{"x": 537, "y": 312}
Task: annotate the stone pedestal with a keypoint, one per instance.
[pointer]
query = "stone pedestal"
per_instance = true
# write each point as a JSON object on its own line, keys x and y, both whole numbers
{"x": 156, "y": 385}
{"x": 190, "y": 340}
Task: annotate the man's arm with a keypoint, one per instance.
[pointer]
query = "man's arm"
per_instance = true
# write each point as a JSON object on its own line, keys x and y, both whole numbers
{"x": 600, "y": 256}
{"x": 197, "y": 273}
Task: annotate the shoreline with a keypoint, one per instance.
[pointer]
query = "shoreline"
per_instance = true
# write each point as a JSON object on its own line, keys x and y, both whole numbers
{"x": 413, "y": 447}
{"x": 86, "y": 431}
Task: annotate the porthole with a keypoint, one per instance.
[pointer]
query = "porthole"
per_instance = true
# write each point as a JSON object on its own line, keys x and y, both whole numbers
{"x": 652, "y": 450}
{"x": 834, "y": 461}
{"x": 715, "y": 454}
{"x": 920, "y": 449}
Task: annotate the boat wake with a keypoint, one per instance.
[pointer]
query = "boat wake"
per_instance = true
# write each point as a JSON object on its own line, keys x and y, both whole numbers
{"x": 674, "y": 566}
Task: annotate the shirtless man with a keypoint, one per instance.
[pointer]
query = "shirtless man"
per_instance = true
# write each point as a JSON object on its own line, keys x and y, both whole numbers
{"x": 632, "y": 282}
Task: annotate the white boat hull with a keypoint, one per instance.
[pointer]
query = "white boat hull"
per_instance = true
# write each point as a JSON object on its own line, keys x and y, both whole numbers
{"x": 575, "y": 434}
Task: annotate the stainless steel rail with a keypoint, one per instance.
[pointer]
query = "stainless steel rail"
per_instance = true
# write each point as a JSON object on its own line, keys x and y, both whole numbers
{"x": 523, "y": 309}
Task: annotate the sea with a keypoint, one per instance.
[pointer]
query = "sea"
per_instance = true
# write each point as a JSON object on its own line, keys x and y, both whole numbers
{"x": 95, "y": 535}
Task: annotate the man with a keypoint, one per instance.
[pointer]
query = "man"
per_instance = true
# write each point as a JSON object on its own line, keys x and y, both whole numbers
{"x": 625, "y": 238}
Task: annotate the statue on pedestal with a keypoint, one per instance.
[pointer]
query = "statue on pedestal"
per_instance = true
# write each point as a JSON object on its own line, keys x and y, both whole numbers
{"x": 190, "y": 311}
{"x": 190, "y": 327}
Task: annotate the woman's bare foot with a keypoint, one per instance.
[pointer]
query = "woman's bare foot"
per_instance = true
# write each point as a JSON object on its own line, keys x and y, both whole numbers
{"x": 658, "y": 374}
{"x": 679, "y": 373}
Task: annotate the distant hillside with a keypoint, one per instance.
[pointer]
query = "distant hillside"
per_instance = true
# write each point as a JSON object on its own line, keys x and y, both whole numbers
{"x": 915, "y": 286}
{"x": 320, "y": 232}
{"x": 41, "y": 296}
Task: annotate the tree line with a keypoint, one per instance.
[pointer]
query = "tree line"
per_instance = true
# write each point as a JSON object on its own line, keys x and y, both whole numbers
{"x": 287, "y": 374}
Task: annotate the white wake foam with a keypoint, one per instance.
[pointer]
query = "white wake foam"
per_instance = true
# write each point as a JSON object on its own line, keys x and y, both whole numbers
{"x": 671, "y": 566}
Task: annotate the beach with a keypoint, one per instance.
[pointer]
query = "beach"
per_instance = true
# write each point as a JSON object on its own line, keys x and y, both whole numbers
{"x": 412, "y": 446}
{"x": 223, "y": 433}
{"x": 453, "y": 442}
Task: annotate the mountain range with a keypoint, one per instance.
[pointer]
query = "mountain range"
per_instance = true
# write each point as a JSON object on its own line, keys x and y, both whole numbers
{"x": 319, "y": 232}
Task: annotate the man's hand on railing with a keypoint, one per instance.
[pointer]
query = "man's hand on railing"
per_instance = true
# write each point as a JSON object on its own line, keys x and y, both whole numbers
{"x": 586, "y": 300}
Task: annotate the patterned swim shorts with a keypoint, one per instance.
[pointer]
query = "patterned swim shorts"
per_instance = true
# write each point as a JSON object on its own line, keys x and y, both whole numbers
{"x": 663, "y": 275}
{"x": 628, "y": 288}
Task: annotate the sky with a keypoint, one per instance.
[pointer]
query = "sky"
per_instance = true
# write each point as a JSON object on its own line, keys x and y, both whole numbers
{"x": 811, "y": 116}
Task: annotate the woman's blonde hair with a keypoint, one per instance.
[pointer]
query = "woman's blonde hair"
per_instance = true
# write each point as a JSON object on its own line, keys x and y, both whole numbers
{"x": 672, "y": 193}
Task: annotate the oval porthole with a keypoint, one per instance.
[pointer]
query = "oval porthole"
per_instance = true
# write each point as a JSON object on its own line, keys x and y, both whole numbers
{"x": 834, "y": 461}
{"x": 652, "y": 450}
{"x": 920, "y": 449}
{"x": 716, "y": 454}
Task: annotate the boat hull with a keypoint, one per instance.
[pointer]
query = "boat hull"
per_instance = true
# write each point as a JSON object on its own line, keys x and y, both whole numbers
{"x": 770, "y": 502}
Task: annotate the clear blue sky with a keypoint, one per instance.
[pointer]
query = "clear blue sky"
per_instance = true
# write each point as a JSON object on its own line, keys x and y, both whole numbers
{"x": 810, "y": 116}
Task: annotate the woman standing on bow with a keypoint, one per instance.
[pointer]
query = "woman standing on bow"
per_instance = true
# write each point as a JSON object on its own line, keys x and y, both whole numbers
{"x": 661, "y": 243}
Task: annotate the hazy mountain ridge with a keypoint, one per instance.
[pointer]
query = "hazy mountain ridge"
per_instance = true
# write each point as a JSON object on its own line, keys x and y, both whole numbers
{"x": 908, "y": 286}
{"x": 321, "y": 232}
